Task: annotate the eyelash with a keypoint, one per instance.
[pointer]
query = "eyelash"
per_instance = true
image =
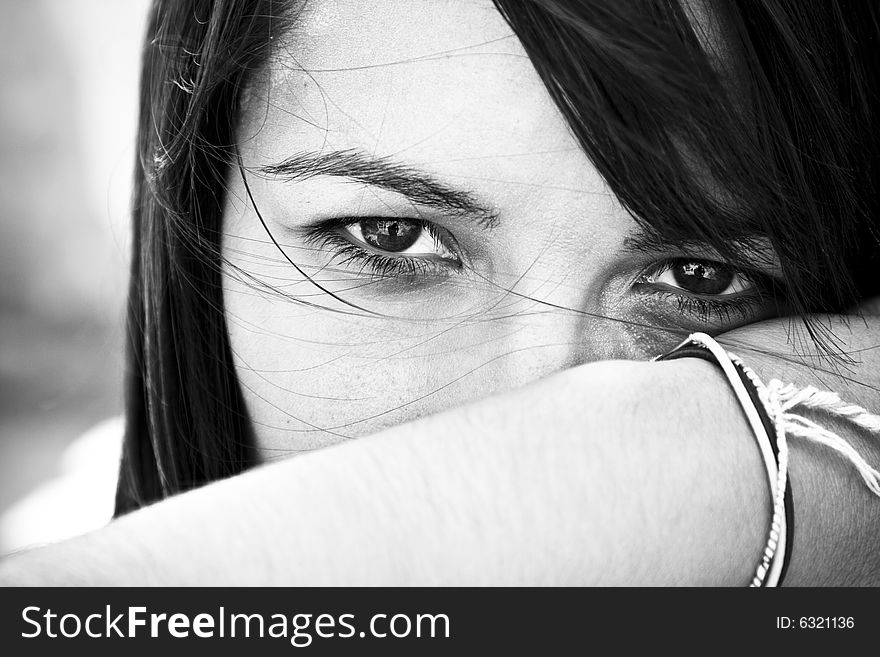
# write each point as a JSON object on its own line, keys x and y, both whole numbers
{"x": 707, "y": 310}
{"x": 328, "y": 235}
{"x": 711, "y": 311}
{"x": 722, "y": 309}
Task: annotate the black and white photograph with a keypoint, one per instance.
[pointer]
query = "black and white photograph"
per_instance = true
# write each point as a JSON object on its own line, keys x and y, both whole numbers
{"x": 439, "y": 293}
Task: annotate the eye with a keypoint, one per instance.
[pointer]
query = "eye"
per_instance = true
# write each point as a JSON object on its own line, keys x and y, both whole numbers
{"x": 699, "y": 277}
{"x": 386, "y": 234}
{"x": 702, "y": 294}
{"x": 401, "y": 237}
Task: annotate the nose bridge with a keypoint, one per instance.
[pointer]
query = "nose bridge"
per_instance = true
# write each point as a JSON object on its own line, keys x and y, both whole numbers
{"x": 559, "y": 284}
{"x": 554, "y": 330}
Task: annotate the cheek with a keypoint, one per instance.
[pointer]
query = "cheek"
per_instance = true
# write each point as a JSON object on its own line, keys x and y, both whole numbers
{"x": 312, "y": 377}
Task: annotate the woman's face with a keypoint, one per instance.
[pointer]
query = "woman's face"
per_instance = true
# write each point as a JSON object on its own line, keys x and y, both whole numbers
{"x": 425, "y": 230}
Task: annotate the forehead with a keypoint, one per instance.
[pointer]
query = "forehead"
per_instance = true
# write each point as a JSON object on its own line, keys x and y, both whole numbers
{"x": 352, "y": 33}
{"x": 443, "y": 84}
{"x": 361, "y": 65}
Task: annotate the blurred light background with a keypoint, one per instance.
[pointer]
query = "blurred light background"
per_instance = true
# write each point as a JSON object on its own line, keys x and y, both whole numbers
{"x": 68, "y": 106}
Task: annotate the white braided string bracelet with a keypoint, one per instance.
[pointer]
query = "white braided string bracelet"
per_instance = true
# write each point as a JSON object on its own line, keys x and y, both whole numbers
{"x": 773, "y": 405}
{"x": 784, "y": 397}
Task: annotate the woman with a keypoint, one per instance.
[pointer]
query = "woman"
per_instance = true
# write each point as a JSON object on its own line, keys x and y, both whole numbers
{"x": 457, "y": 231}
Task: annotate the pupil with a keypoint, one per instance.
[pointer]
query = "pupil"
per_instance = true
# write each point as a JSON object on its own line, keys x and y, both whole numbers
{"x": 702, "y": 277}
{"x": 390, "y": 234}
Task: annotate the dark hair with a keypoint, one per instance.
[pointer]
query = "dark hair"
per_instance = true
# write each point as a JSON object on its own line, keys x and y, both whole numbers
{"x": 785, "y": 146}
{"x": 185, "y": 417}
{"x": 788, "y": 141}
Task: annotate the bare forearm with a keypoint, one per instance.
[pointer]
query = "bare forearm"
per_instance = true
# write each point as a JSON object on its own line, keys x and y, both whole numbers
{"x": 583, "y": 478}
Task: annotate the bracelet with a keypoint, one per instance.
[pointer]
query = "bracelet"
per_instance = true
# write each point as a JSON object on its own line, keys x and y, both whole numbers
{"x": 769, "y": 411}
{"x": 754, "y": 400}
{"x": 771, "y": 416}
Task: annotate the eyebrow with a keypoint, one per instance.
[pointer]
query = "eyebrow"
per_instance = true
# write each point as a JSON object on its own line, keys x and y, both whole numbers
{"x": 420, "y": 187}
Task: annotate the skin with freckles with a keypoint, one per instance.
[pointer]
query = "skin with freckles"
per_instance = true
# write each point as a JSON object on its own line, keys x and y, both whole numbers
{"x": 426, "y": 120}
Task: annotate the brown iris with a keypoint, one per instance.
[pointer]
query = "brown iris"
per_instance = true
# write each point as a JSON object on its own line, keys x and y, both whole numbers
{"x": 390, "y": 234}
{"x": 702, "y": 277}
